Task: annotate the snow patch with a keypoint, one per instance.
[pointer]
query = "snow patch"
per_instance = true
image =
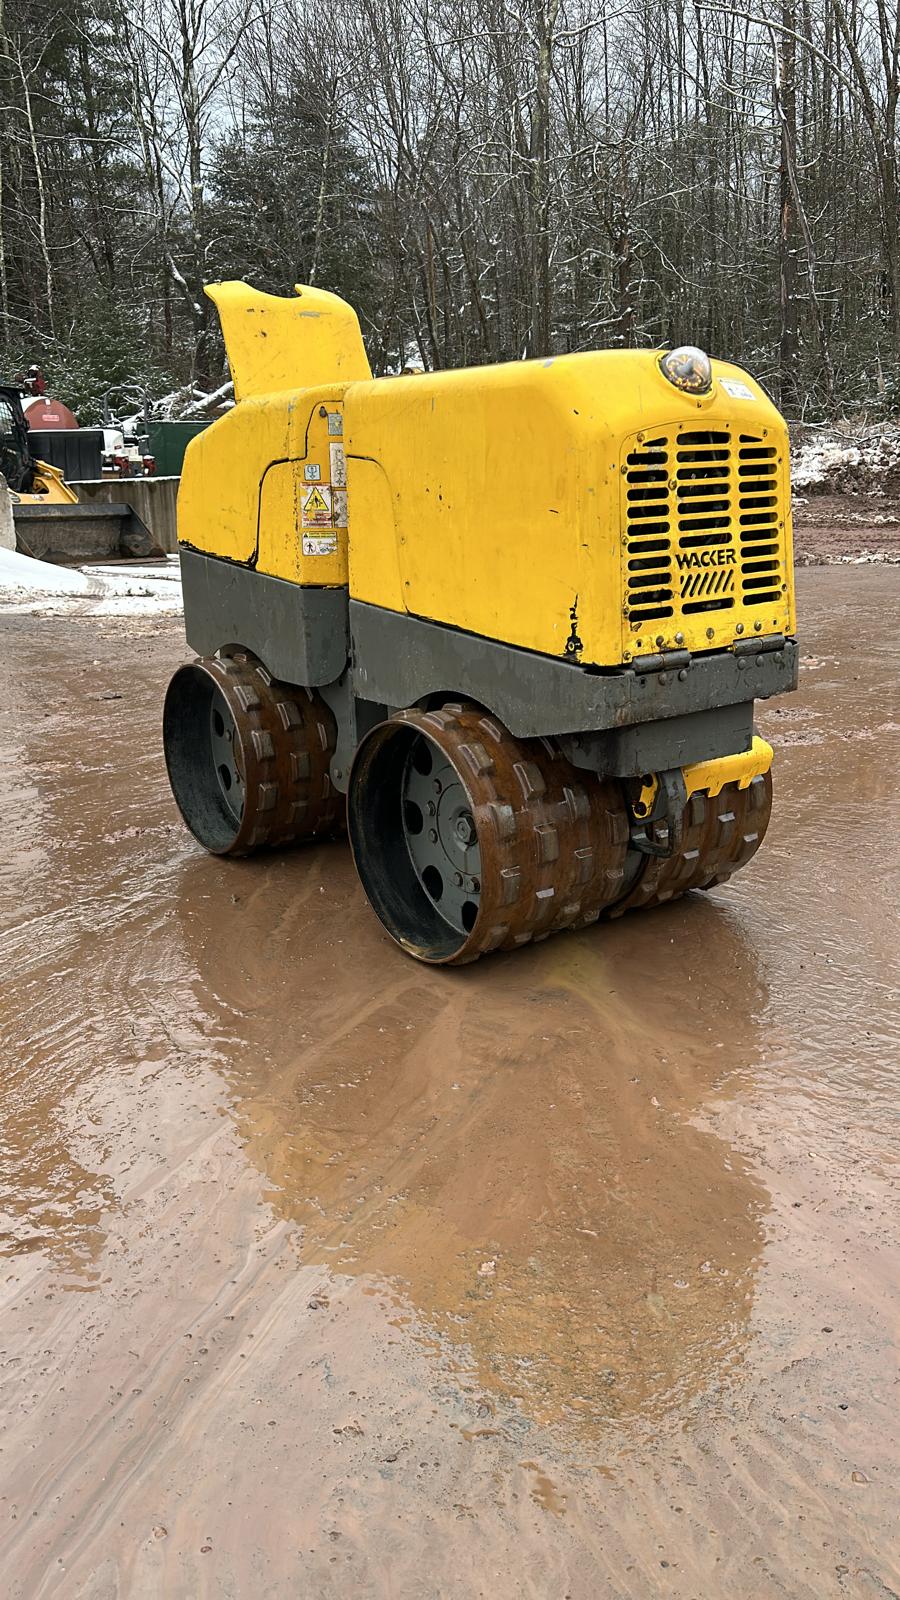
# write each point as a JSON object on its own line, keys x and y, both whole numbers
{"x": 41, "y": 587}
{"x": 835, "y": 462}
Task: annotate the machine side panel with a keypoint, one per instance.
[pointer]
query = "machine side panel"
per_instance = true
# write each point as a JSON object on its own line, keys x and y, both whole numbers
{"x": 484, "y": 516}
{"x": 247, "y": 480}
{"x": 299, "y": 632}
{"x": 303, "y": 506}
{"x": 531, "y": 503}
{"x": 374, "y": 556}
{"x": 218, "y": 497}
{"x": 400, "y": 661}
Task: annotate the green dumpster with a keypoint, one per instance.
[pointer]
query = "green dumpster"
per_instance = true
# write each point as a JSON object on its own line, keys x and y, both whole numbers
{"x": 168, "y": 442}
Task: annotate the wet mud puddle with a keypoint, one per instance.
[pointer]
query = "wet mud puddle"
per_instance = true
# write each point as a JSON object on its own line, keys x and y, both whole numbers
{"x": 573, "y": 1273}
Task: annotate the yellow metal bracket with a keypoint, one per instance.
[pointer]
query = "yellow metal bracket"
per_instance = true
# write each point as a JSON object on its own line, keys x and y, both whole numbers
{"x": 643, "y": 805}
{"x": 712, "y": 776}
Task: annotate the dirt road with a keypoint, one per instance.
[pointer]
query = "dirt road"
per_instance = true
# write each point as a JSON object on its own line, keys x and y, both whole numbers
{"x": 575, "y": 1273}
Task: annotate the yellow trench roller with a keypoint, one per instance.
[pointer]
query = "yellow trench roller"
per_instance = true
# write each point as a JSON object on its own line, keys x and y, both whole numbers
{"x": 517, "y": 615}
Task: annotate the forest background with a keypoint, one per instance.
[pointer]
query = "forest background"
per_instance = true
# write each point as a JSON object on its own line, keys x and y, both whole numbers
{"x": 482, "y": 179}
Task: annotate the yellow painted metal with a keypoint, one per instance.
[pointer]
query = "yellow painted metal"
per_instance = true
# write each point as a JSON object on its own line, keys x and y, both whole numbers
{"x": 303, "y": 508}
{"x": 711, "y": 776}
{"x": 276, "y": 343}
{"x": 492, "y": 499}
{"x": 643, "y": 805}
{"x": 49, "y": 489}
{"x": 246, "y": 481}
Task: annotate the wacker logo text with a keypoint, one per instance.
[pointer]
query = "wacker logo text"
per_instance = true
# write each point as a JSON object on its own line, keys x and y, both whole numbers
{"x": 705, "y": 558}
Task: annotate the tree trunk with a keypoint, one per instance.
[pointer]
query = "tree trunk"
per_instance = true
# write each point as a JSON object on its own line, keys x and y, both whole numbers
{"x": 786, "y": 112}
{"x": 539, "y": 333}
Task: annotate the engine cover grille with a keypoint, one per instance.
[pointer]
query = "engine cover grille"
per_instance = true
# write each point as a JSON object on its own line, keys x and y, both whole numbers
{"x": 704, "y": 524}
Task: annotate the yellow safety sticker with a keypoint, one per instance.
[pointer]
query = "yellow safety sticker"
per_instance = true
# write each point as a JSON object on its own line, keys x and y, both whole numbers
{"x": 316, "y": 510}
{"x": 322, "y": 546}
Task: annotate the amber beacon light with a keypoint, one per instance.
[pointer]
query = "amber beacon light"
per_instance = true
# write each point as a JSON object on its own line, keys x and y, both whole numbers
{"x": 688, "y": 368}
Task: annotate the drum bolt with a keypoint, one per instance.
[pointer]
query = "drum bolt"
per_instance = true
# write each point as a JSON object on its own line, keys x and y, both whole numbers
{"x": 458, "y": 879}
{"x": 432, "y": 834}
{"x": 465, "y": 829}
{"x": 437, "y": 785}
{"x": 432, "y": 809}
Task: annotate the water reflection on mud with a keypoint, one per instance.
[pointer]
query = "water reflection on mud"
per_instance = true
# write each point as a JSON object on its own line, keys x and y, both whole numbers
{"x": 510, "y": 1147}
{"x": 571, "y": 1273}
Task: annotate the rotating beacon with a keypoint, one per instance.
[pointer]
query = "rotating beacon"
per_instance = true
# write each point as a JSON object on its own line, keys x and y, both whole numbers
{"x": 510, "y": 621}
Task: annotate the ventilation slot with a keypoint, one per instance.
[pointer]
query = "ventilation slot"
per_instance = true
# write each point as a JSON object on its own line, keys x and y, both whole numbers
{"x": 761, "y": 567}
{"x": 650, "y": 593}
{"x": 706, "y": 556}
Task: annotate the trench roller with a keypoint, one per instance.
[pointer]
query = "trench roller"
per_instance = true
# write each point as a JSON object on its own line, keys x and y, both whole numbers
{"x": 506, "y": 625}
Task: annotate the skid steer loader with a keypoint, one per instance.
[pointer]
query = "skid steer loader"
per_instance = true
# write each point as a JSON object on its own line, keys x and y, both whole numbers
{"x": 30, "y": 482}
{"x": 509, "y": 621}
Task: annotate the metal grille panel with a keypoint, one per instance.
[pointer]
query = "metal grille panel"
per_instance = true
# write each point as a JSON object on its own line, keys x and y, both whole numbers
{"x": 702, "y": 523}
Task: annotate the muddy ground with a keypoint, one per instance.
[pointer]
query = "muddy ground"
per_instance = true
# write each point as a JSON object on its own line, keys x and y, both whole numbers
{"x": 847, "y": 527}
{"x": 575, "y": 1273}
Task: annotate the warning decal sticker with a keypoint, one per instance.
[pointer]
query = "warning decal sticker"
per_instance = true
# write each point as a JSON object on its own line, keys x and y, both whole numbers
{"x": 326, "y": 545}
{"x": 316, "y": 511}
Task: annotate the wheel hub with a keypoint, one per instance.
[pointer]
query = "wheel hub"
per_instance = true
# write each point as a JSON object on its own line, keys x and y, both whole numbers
{"x": 224, "y": 746}
{"x": 441, "y": 835}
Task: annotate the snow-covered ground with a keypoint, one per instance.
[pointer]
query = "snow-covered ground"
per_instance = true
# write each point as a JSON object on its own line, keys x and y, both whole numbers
{"x": 150, "y": 589}
{"x": 839, "y": 462}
